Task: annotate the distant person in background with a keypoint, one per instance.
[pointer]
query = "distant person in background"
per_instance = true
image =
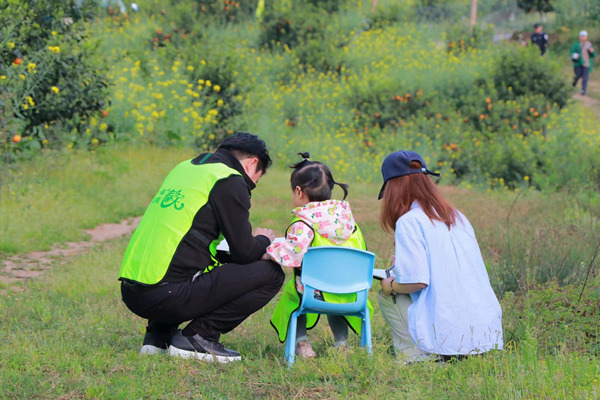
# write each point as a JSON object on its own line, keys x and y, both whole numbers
{"x": 539, "y": 38}
{"x": 582, "y": 54}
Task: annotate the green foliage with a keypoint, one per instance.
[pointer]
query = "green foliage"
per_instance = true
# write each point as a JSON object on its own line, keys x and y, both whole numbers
{"x": 224, "y": 10}
{"x": 291, "y": 27}
{"x": 520, "y": 71}
{"x": 390, "y": 13}
{"x": 53, "y": 84}
{"x": 434, "y": 10}
{"x": 541, "y": 6}
{"x": 331, "y": 76}
{"x": 460, "y": 37}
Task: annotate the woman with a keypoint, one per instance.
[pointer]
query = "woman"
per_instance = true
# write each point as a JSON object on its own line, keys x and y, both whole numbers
{"x": 438, "y": 300}
{"x": 582, "y": 54}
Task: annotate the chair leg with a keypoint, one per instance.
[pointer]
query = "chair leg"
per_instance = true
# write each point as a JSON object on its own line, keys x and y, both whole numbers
{"x": 290, "y": 344}
{"x": 365, "y": 337}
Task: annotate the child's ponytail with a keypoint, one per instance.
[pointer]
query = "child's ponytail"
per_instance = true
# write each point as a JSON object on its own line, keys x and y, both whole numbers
{"x": 315, "y": 179}
{"x": 344, "y": 187}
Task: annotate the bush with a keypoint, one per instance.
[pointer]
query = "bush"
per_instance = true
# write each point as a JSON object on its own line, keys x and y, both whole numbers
{"x": 292, "y": 27}
{"x": 54, "y": 84}
{"x": 390, "y": 13}
{"x": 521, "y": 71}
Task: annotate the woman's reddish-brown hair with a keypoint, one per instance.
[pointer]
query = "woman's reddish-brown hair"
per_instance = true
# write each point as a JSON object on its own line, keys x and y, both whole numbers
{"x": 400, "y": 192}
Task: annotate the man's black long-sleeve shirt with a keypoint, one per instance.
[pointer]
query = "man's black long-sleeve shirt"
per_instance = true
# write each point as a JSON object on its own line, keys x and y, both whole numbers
{"x": 541, "y": 41}
{"x": 227, "y": 211}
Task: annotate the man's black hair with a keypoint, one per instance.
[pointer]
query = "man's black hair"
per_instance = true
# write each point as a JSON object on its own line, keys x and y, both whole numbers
{"x": 535, "y": 26}
{"x": 315, "y": 179}
{"x": 246, "y": 145}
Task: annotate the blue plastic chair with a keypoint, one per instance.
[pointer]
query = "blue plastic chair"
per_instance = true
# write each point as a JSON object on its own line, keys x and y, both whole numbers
{"x": 339, "y": 270}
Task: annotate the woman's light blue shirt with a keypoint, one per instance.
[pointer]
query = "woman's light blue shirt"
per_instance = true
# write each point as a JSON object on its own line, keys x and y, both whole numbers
{"x": 458, "y": 312}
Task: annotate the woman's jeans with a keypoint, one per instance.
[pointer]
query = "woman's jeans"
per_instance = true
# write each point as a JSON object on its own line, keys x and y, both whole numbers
{"x": 396, "y": 315}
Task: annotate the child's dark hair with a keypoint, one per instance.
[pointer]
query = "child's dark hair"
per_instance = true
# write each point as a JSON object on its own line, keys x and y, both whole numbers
{"x": 315, "y": 179}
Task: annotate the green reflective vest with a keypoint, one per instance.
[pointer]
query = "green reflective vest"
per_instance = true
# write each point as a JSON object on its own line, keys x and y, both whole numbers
{"x": 169, "y": 218}
{"x": 290, "y": 299}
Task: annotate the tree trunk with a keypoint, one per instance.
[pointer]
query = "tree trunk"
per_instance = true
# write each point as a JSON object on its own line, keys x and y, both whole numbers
{"x": 473, "y": 14}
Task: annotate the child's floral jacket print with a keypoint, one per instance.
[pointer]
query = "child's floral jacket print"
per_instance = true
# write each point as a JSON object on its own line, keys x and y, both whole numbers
{"x": 332, "y": 219}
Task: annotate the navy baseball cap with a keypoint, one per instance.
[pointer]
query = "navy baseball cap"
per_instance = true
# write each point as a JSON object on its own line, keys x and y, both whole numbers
{"x": 398, "y": 164}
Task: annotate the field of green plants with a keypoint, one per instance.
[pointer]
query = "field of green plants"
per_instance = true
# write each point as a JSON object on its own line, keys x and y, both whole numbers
{"x": 96, "y": 106}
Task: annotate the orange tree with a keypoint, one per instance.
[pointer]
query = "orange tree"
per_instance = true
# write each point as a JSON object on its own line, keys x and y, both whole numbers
{"x": 48, "y": 79}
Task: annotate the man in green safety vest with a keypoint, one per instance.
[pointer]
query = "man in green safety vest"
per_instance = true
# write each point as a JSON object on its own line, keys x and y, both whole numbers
{"x": 171, "y": 270}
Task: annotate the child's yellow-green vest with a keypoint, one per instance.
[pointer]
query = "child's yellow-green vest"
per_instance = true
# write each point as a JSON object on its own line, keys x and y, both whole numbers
{"x": 168, "y": 219}
{"x": 290, "y": 299}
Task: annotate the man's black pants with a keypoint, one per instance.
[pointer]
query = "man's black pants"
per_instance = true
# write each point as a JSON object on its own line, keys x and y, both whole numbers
{"x": 214, "y": 302}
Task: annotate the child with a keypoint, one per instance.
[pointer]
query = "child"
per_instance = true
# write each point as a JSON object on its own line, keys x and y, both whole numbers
{"x": 319, "y": 221}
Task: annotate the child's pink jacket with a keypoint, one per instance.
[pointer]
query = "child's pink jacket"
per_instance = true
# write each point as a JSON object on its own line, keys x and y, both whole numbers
{"x": 332, "y": 219}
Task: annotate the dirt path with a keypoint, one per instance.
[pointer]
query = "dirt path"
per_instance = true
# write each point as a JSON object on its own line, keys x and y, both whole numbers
{"x": 592, "y": 99}
{"x": 22, "y": 267}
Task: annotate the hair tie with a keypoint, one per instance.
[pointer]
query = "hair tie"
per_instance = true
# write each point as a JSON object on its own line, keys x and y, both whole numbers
{"x": 305, "y": 156}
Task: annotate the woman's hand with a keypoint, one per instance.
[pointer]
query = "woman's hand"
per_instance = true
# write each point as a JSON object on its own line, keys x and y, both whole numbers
{"x": 386, "y": 286}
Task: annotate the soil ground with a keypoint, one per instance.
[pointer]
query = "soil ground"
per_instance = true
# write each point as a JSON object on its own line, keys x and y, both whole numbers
{"x": 21, "y": 267}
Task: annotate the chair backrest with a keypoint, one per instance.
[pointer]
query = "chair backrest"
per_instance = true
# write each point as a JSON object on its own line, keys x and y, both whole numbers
{"x": 337, "y": 269}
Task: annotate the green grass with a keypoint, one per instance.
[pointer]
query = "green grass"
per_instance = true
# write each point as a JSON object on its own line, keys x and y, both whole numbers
{"x": 68, "y": 335}
{"x": 52, "y": 198}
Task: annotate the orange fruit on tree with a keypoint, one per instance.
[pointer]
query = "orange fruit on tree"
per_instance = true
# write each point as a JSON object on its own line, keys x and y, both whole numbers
{"x": 18, "y": 61}
{"x": 16, "y": 138}
{"x": 104, "y": 113}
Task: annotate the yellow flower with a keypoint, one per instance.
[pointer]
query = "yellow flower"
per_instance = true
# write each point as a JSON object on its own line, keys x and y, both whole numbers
{"x": 201, "y": 81}
{"x": 55, "y": 89}
{"x": 11, "y": 45}
{"x": 103, "y": 126}
{"x": 2, "y": 77}
{"x": 31, "y": 67}
{"x": 203, "y": 62}
{"x": 190, "y": 68}
{"x": 22, "y": 76}
{"x": 95, "y": 141}
{"x": 54, "y": 49}
{"x": 54, "y": 33}
{"x": 30, "y": 101}
{"x": 208, "y": 83}
{"x": 217, "y": 88}
{"x": 220, "y": 102}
